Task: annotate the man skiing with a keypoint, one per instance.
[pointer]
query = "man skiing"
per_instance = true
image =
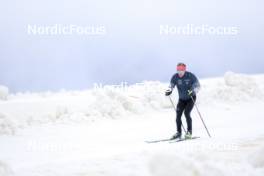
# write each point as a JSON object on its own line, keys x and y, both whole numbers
{"x": 188, "y": 86}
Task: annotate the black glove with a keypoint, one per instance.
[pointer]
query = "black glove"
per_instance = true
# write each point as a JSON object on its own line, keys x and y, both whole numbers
{"x": 168, "y": 92}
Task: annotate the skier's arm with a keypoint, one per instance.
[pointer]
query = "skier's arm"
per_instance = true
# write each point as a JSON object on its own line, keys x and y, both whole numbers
{"x": 171, "y": 87}
{"x": 195, "y": 84}
{"x": 172, "y": 82}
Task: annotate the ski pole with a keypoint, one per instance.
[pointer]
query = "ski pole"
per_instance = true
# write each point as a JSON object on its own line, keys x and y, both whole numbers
{"x": 176, "y": 112}
{"x": 200, "y": 116}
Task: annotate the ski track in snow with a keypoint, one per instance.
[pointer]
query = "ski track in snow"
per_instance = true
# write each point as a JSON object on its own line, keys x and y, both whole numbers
{"x": 103, "y": 132}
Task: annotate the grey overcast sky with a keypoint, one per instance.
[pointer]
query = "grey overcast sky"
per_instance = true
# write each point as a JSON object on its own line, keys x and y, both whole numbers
{"x": 132, "y": 48}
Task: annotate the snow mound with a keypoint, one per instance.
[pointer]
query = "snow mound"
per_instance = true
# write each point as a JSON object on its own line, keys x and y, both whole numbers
{"x": 168, "y": 165}
{"x": 240, "y": 84}
{"x": 3, "y": 92}
{"x": 232, "y": 88}
{"x": 256, "y": 158}
{"x": 5, "y": 170}
{"x": 200, "y": 163}
{"x": 133, "y": 100}
{"x": 6, "y": 125}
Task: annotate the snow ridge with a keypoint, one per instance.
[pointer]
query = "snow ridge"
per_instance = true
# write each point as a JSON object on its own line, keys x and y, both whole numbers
{"x": 25, "y": 109}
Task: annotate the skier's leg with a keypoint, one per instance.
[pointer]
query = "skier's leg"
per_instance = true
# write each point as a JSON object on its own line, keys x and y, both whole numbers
{"x": 187, "y": 113}
{"x": 179, "y": 111}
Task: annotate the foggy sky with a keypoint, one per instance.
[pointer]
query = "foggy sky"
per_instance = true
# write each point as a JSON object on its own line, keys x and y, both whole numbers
{"x": 132, "y": 49}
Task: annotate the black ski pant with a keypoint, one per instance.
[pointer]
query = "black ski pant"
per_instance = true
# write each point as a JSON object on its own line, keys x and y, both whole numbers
{"x": 185, "y": 106}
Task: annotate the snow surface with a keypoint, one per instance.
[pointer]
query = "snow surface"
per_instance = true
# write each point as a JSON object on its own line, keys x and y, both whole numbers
{"x": 103, "y": 131}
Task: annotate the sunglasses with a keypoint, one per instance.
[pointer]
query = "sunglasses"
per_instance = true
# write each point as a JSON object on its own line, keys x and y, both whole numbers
{"x": 181, "y": 68}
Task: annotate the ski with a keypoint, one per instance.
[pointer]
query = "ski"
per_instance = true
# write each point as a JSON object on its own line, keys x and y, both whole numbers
{"x": 160, "y": 140}
{"x": 171, "y": 140}
{"x": 183, "y": 139}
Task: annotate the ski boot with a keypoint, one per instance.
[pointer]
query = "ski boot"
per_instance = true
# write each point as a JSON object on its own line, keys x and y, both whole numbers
{"x": 176, "y": 136}
{"x": 188, "y": 135}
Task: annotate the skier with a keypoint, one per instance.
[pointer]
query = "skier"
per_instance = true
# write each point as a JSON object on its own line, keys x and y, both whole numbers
{"x": 188, "y": 85}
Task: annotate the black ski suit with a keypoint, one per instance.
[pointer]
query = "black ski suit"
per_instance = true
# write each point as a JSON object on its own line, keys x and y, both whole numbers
{"x": 188, "y": 82}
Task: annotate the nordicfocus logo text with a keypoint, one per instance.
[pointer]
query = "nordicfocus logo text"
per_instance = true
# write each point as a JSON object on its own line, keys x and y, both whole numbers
{"x": 71, "y": 29}
{"x": 198, "y": 30}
